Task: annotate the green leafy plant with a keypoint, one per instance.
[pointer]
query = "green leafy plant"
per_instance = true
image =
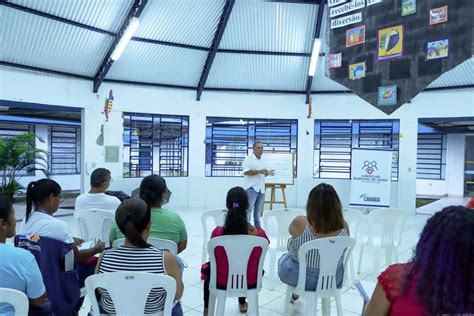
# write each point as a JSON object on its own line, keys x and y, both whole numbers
{"x": 18, "y": 157}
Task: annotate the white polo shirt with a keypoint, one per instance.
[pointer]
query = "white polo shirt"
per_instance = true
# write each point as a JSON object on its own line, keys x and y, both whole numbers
{"x": 257, "y": 182}
{"x": 101, "y": 201}
{"x": 47, "y": 226}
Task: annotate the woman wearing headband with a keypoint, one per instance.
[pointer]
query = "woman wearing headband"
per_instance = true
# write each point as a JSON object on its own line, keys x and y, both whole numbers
{"x": 235, "y": 224}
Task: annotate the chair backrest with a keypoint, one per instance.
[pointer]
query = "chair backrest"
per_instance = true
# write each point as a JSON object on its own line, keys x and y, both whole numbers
{"x": 56, "y": 262}
{"x": 388, "y": 224}
{"x": 238, "y": 249}
{"x": 353, "y": 218}
{"x": 94, "y": 223}
{"x": 218, "y": 218}
{"x": 155, "y": 242}
{"x": 129, "y": 291}
{"x": 330, "y": 251}
{"x": 17, "y": 299}
{"x": 279, "y": 232}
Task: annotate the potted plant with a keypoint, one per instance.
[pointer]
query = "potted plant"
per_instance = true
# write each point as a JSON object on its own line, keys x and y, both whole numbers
{"x": 19, "y": 153}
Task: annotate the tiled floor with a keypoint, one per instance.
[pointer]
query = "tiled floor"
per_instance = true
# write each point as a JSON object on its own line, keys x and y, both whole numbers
{"x": 272, "y": 297}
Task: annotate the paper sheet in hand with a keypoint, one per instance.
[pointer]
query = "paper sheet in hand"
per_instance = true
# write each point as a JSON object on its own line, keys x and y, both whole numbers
{"x": 86, "y": 245}
{"x": 365, "y": 288}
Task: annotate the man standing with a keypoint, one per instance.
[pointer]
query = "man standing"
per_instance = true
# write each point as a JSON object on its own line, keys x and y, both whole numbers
{"x": 255, "y": 171}
{"x": 96, "y": 198}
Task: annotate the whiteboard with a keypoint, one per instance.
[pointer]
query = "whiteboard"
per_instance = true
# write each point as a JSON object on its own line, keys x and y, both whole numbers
{"x": 282, "y": 163}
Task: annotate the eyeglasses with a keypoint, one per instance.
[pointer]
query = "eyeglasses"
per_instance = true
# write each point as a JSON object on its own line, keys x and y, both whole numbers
{"x": 61, "y": 198}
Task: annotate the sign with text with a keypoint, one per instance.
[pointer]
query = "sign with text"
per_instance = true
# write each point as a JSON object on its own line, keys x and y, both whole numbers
{"x": 371, "y": 173}
{"x": 333, "y": 3}
{"x": 346, "y": 20}
{"x": 346, "y": 8}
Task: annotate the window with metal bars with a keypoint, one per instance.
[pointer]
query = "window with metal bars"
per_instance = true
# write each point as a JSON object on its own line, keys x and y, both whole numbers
{"x": 335, "y": 139}
{"x": 431, "y": 156}
{"x": 155, "y": 144}
{"x": 64, "y": 150}
{"x": 230, "y": 140}
{"x": 9, "y": 129}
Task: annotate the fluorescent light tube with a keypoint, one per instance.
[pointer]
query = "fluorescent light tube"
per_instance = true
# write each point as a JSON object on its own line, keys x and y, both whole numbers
{"x": 127, "y": 35}
{"x": 314, "y": 57}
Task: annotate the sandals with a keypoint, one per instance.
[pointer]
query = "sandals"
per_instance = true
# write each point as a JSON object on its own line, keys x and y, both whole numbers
{"x": 243, "y": 308}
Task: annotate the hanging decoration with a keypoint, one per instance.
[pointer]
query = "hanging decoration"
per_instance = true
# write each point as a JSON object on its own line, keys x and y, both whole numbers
{"x": 108, "y": 105}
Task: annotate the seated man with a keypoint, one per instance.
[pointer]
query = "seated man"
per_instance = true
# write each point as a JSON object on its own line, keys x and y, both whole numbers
{"x": 18, "y": 268}
{"x": 96, "y": 198}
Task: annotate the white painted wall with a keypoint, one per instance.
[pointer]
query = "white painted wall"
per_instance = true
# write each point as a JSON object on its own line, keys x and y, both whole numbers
{"x": 198, "y": 190}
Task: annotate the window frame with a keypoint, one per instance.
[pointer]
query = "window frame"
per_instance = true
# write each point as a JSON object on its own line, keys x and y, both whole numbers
{"x": 77, "y": 152}
{"x": 184, "y": 145}
{"x": 355, "y": 139}
{"x": 30, "y": 128}
{"x": 442, "y": 154}
{"x": 250, "y": 138}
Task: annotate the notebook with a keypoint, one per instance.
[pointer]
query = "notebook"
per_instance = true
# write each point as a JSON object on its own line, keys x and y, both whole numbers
{"x": 365, "y": 288}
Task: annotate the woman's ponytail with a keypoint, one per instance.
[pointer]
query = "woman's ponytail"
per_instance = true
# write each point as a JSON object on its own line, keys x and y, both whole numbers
{"x": 29, "y": 199}
{"x": 133, "y": 236}
{"x": 132, "y": 218}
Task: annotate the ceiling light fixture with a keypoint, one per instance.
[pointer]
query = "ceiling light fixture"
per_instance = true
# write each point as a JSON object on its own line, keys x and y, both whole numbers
{"x": 314, "y": 57}
{"x": 127, "y": 35}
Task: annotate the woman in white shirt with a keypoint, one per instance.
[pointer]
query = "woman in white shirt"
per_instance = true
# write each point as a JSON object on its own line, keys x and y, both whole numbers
{"x": 45, "y": 196}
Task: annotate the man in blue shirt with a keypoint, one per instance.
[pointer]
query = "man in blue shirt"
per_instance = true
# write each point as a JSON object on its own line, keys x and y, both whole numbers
{"x": 18, "y": 267}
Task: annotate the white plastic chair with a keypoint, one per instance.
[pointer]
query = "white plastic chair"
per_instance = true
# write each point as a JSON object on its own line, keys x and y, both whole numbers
{"x": 218, "y": 218}
{"x": 279, "y": 233}
{"x": 353, "y": 218}
{"x": 94, "y": 224}
{"x": 330, "y": 250}
{"x": 129, "y": 291}
{"x": 238, "y": 249}
{"x": 385, "y": 228}
{"x": 158, "y": 243}
{"x": 17, "y": 299}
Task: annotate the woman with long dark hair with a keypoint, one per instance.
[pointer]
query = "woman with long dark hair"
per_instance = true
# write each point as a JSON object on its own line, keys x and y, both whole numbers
{"x": 323, "y": 219}
{"x": 42, "y": 201}
{"x": 133, "y": 219}
{"x": 18, "y": 267}
{"x": 439, "y": 280}
{"x": 235, "y": 224}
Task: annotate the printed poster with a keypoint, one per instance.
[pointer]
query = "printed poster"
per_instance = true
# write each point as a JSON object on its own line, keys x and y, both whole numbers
{"x": 437, "y": 49}
{"x": 390, "y": 43}
{"x": 355, "y": 36}
{"x": 357, "y": 71}
{"x": 439, "y": 15}
{"x": 371, "y": 173}
{"x": 334, "y": 60}
{"x": 387, "y": 95}
{"x": 408, "y": 7}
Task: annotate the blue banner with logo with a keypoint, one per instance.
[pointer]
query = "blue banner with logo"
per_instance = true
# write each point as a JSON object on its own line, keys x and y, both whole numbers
{"x": 371, "y": 172}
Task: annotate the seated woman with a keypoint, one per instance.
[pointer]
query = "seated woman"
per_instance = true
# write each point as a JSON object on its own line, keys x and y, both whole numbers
{"x": 324, "y": 219}
{"x": 439, "y": 279}
{"x": 235, "y": 224}
{"x": 133, "y": 219}
{"x": 165, "y": 224}
{"x": 45, "y": 196}
{"x": 18, "y": 268}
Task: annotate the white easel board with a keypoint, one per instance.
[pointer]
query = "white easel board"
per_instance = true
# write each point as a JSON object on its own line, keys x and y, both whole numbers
{"x": 282, "y": 163}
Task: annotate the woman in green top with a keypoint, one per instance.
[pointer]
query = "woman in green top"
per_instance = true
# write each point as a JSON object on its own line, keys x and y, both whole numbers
{"x": 165, "y": 224}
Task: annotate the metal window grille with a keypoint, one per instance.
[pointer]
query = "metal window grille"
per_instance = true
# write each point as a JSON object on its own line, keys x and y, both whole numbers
{"x": 431, "y": 156}
{"x": 230, "y": 140}
{"x": 64, "y": 150}
{"x": 335, "y": 139}
{"x": 155, "y": 143}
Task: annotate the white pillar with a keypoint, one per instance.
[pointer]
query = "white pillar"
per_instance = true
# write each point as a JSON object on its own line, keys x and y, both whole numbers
{"x": 406, "y": 196}
{"x": 455, "y": 164}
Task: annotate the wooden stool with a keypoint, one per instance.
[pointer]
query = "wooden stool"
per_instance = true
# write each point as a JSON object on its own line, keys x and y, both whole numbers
{"x": 272, "y": 200}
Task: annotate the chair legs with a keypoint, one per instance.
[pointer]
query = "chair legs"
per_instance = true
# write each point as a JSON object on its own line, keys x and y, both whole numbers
{"x": 220, "y": 308}
{"x": 337, "y": 298}
{"x": 351, "y": 266}
{"x": 212, "y": 304}
{"x": 360, "y": 258}
{"x": 252, "y": 302}
{"x": 271, "y": 270}
{"x": 326, "y": 306}
{"x": 289, "y": 291}
{"x": 311, "y": 305}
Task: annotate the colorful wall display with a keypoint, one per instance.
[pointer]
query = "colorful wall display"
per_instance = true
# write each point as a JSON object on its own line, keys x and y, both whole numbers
{"x": 439, "y": 15}
{"x": 387, "y": 95}
{"x": 405, "y": 45}
{"x": 355, "y": 36}
{"x": 334, "y": 60}
{"x": 437, "y": 49}
{"x": 390, "y": 42}
{"x": 408, "y": 7}
{"x": 357, "y": 71}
